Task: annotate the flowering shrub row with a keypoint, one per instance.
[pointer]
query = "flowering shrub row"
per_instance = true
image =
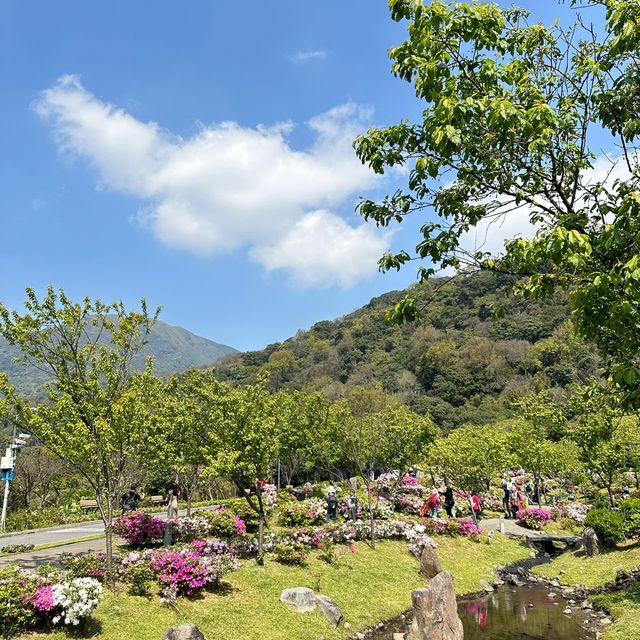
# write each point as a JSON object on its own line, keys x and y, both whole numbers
{"x": 140, "y": 529}
{"x": 30, "y": 602}
{"x": 305, "y": 513}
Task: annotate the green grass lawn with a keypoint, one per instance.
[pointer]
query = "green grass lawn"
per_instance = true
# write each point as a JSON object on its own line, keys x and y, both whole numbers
{"x": 591, "y": 572}
{"x": 594, "y": 572}
{"x": 369, "y": 586}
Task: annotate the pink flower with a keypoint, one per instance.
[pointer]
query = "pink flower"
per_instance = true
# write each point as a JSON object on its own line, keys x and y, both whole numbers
{"x": 44, "y": 599}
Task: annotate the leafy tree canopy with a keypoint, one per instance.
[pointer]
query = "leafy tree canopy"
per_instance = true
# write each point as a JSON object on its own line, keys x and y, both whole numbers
{"x": 511, "y": 112}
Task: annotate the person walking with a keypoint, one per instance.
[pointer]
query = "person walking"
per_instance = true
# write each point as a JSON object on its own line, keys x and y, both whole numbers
{"x": 130, "y": 500}
{"x": 434, "y": 503}
{"x": 476, "y": 506}
{"x": 352, "y": 507}
{"x": 449, "y": 501}
{"x": 332, "y": 504}
{"x": 172, "y": 502}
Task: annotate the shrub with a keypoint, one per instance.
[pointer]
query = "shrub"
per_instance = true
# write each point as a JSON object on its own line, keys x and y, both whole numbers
{"x": 630, "y": 512}
{"x": 191, "y": 528}
{"x": 327, "y": 551}
{"x": 221, "y": 521}
{"x": 16, "y": 589}
{"x": 608, "y": 525}
{"x": 306, "y": 513}
{"x": 90, "y": 565}
{"x": 16, "y": 548}
{"x": 533, "y": 518}
{"x": 292, "y": 553}
{"x": 187, "y": 570}
{"x": 139, "y": 528}
{"x": 75, "y": 599}
{"x": 135, "y": 571}
{"x": 419, "y": 542}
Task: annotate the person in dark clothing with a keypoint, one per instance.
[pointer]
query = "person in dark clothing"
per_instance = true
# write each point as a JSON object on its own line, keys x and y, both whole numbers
{"x": 332, "y": 504}
{"x": 449, "y": 501}
{"x": 130, "y": 500}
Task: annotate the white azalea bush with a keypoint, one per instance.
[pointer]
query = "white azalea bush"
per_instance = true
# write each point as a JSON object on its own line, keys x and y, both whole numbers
{"x": 76, "y": 599}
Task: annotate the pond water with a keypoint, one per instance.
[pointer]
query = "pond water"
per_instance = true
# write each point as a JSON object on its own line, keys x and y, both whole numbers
{"x": 506, "y": 614}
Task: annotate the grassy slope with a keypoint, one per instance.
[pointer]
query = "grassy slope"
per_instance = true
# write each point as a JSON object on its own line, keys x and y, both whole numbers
{"x": 369, "y": 586}
{"x": 594, "y": 572}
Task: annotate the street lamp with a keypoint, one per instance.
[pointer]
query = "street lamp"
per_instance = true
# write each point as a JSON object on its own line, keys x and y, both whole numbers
{"x": 7, "y": 464}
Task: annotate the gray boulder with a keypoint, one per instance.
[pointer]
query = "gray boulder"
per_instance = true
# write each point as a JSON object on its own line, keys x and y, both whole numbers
{"x": 429, "y": 563}
{"x": 184, "y": 632}
{"x": 302, "y": 598}
{"x": 435, "y": 611}
{"x": 590, "y": 542}
{"x": 330, "y": 610}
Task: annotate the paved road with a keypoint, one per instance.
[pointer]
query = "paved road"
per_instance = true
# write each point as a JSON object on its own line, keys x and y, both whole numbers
{"x": 65, "y": 532}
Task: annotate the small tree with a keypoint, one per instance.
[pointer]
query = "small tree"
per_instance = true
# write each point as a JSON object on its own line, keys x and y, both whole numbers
{"x": 237, "y": 428}
{"x": 96, "y": 418}
{"x": 606, "y": 439}
{"x": 471, "y": 456}
{"x": 534, "y": 436}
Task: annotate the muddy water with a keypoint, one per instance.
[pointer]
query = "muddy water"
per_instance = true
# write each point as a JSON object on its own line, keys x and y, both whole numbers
{"x": 511, "y": 613}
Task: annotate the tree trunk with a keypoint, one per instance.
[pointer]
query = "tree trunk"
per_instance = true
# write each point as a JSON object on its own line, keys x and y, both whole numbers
{"x": 189, "y": 504}
{"x": 612, "y": 501}
{"x": 108, "y": 534}
{"x": 372, "y": 527}
{"x": 261, "y": 523}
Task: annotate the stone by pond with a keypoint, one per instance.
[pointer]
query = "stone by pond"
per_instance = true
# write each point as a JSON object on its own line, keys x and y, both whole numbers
{"x": 511, "y": 613}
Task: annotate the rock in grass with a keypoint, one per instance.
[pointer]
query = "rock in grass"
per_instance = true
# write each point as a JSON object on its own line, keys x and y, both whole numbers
{"x": 591, "y": 542}
{"x": 435, "y": 611}
{"x": 184, "y": 632}
{"x": 429, "y": 563}
{"x": 302, "y": 598}
{"x": 330, "y": 610}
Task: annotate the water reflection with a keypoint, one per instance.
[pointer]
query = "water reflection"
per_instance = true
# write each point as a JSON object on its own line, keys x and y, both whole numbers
{"x": 517, "y": 614}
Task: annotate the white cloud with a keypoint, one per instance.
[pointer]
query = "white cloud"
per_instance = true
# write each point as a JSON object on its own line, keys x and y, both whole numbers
{"x": 228, "y": 186}
{"x": 305, "y": 56}
{"x": 321, "y": 248}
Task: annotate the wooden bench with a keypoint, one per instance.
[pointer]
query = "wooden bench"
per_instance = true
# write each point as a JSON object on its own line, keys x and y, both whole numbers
{"x": 155, "y": 500}
{"x": 87, "y": 505}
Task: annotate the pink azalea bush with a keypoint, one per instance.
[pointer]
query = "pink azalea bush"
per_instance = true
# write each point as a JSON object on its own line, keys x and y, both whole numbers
{"x": 533, "y": 518}
{"x": 305, "y": 513}
{"x": 409, "y": 504}
{"x": 183, "y": 571}
{"x": 139, "y": 528}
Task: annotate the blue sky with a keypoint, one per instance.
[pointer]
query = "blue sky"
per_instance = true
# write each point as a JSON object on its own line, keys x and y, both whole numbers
{"x": 119, "y": 177}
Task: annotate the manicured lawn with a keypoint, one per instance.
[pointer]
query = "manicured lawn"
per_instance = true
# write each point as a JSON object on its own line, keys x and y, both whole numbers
{"x": 591, "y": 572}
{"x": 624, "y": 606}
{"x": 369, "y": 586}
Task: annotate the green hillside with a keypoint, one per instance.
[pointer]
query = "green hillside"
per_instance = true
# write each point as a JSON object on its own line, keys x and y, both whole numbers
{"x": 173, "y": 348}
{"x": 459, "y": 363}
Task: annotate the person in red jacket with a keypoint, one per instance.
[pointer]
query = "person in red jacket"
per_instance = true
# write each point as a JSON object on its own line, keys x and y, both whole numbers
{"x": 476, "y": 506}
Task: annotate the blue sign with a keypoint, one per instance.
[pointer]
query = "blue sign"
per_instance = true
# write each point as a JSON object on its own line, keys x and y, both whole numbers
{"x": 6, "y": 474}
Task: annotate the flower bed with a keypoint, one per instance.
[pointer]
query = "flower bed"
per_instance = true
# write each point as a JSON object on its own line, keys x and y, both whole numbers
{"x": 29, "y": 602}
{"x": 183, "y": 571}
{"x": 452, "y": 527}
{"x": 533, "y": 518}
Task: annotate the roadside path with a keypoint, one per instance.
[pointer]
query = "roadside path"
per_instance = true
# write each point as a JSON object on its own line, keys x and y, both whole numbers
{"x": 61, "y": 536}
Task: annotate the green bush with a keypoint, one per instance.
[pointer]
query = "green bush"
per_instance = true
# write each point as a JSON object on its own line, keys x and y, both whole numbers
{"x": 291, "y": 553}
{"x": 15, "y": 590}
{"x": 608, "y": 525}
{"x": 222, "y": 522}
{"x": 630, "y": 511}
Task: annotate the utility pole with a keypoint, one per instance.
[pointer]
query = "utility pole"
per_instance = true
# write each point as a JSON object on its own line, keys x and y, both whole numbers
{"x": 7, "y": 464}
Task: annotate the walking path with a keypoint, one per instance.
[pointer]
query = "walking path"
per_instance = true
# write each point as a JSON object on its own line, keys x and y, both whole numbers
{"x": 62, "y": 536}
{"x": 509, "y": 527}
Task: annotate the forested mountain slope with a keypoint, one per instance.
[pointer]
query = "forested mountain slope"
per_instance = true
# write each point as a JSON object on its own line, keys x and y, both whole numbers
{"x": 459, "y": 363}
{"x": 173, "y": 349}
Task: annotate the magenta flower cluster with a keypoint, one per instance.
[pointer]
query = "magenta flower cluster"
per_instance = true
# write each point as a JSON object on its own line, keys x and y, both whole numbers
{"x": 533, "y": 518}
{"x": 44, "y": 599}
{"x": 240, "y": 526}
{"x": 139, "y": 528}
